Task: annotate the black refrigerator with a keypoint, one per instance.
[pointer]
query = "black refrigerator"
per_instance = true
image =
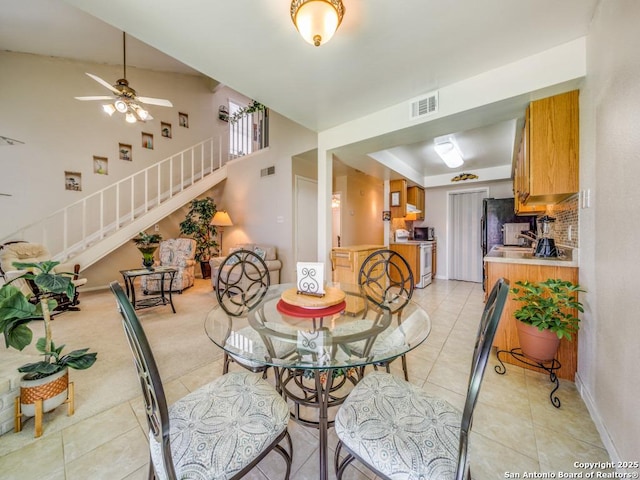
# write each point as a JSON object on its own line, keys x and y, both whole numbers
{"x": 495, "y": 213}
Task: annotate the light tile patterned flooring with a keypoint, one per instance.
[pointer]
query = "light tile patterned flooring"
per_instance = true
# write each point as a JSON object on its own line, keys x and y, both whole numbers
{"x": 515, "y": 430}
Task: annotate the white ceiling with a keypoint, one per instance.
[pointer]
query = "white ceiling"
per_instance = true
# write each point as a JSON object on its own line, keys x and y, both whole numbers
{"x": 385, "y": 52}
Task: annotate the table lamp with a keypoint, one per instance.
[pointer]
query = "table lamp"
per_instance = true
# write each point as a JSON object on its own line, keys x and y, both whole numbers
{"x": 221, "y": 219}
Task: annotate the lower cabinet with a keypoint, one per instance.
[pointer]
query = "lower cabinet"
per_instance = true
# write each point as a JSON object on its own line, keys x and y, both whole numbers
{"x": 345, "y": 265}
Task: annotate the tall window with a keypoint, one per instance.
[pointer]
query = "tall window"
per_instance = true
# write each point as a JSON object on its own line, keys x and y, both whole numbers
{"x": 239, "y": 132}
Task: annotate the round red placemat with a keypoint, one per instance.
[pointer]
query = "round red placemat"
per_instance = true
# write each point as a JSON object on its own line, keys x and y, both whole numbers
{"x": 292, "y": 310}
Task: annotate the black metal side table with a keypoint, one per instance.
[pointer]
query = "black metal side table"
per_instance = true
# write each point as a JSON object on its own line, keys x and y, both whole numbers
{"x": 153, "y": 301}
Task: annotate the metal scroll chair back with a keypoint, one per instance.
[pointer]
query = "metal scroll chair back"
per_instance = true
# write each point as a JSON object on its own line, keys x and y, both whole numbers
{"x": 243, "y": 280}
{"x": 152, "y": 390}
{"x": 424, "y": 452}
{"x": 387, "y": 283}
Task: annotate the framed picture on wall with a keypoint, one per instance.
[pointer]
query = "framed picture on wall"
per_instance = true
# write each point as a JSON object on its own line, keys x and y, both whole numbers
{"x": 73, "y": 181}
{"x": 165, "y": 129}
{"x": 183, "y": 120}
{"x": 395, "y": 199}
{"x": 124, "y": 152}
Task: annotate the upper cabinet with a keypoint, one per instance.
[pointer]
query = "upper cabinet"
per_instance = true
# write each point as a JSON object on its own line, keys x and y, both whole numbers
{"x": 401, "y": 196}
{"x": 547, "y": 170}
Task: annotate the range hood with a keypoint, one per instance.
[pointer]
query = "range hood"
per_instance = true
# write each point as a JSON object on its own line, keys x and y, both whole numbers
{"x": 412, "y": 209}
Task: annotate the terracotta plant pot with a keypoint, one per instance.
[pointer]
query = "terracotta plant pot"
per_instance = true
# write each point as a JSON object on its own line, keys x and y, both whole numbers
{"x": 52, "y": 390}
{"x": 538, "y": 345}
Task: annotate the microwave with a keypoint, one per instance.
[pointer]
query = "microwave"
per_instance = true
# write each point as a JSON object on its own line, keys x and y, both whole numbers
{"x": 424, "y": 233}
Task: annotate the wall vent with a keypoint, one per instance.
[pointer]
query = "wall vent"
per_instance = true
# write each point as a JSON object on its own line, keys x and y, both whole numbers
{"x": 265, "y": 172}
{"x": 426, "y": 105}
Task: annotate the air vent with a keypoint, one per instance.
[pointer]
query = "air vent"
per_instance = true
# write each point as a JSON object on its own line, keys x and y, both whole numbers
{"x": 426, "y": 105}
{"x": 265, "y": 172}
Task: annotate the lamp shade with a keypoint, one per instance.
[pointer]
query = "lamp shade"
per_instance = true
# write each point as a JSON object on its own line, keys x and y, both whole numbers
{"x": 221, "y": 219}
{"x": 317, "y": 20}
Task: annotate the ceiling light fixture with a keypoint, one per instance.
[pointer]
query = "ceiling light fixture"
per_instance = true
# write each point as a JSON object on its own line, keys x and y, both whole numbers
{"x": 317, "y": 20}
{"x": 447, "y": 148}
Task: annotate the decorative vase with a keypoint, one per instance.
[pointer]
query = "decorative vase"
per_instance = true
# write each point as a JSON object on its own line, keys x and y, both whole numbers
{"x": 53, "y": 390}
{"x": 538, "y": 345}
{"x": 147, "y": 254}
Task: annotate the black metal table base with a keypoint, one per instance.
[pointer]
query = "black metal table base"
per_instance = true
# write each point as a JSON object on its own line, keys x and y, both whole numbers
{"x": 550, "y": 367}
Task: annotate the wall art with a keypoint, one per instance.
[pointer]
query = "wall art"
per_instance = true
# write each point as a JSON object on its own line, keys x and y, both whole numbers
{"x": 125, "y": 152}
{"x": 100, "y": 165}
{"x": 183, "y": 120}
{"x": 147, "y": 140}
{"x": 165, "y": 129}
{"x": 73, "y": 181}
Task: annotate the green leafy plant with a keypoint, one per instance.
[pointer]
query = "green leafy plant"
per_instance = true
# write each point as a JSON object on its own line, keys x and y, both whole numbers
{"x": 254, "y": 106}
{"x": 549, "y": 305}
{"x": 146, "y": 239}
{"x": 197, "y": 225}
{"x": 16, "y": 312}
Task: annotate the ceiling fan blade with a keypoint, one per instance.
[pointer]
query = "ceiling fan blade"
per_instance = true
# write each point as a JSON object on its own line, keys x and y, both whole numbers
{"x": 95, "y": 97}
{"x": 155, "y": 101}
{"x": 103, "y": 83}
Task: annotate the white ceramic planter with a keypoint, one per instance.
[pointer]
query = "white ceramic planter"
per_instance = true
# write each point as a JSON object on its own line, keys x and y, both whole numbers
{"x": 53, "y": 389}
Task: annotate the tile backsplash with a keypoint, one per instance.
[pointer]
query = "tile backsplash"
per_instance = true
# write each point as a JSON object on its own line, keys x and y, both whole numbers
{"x": 566, "y": 215}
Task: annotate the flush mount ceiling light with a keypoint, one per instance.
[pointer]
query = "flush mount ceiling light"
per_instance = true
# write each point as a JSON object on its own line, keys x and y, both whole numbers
{"x": 447, "y": 148}
{"x": 317, "y": 20}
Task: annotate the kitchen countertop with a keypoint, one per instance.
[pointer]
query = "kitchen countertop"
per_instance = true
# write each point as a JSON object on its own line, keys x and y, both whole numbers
{"x": 358, "y": 248}
{"x": 525, "y": 256}
{"x": 412, "y": 242}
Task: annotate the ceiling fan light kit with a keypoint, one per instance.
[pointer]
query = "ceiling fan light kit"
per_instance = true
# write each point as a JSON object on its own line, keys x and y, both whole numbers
{"x": 126, "y": 101}
{"x": 317, "y": 20}
{"x": 447, "y": 148}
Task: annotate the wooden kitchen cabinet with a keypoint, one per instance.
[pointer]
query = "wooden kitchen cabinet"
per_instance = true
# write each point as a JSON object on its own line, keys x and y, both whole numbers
{"x": 411, "y": 253}
{"x": 519, "y": 181}
{"x": 345, "y": 265}
{"x": 434, "y": 259}
{"x": 507, "y": 334}
{"x": 415, "y": 196}
{"x": 398, "y": 189}
{"x": 548, "y": 170}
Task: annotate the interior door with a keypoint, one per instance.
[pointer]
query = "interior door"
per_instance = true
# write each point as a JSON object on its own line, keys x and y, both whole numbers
{"x": 306, "y": 218}
{"x": 465, "y": 253}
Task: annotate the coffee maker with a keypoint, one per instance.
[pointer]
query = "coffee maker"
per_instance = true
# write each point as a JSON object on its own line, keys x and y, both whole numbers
{"x": 546, "y": 246}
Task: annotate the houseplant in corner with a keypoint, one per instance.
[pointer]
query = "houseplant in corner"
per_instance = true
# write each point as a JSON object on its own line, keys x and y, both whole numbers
{"x": 147, "y": 243}
{"x": 547, "y": 315}
{"x": 48, "y": 379}
{"x": 197, "y": 225}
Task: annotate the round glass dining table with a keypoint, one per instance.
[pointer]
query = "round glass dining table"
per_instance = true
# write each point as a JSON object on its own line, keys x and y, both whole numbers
{"x": 318, "y": 347}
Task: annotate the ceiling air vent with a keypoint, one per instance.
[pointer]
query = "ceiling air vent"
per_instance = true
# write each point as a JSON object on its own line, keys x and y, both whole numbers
{"x": 265, "y": 172}
{"x": 425, "y": 105}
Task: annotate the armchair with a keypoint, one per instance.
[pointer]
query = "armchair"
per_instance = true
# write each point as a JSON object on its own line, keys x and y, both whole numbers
{"x": 175, "y": 252}
{"x": 26, "y": 252}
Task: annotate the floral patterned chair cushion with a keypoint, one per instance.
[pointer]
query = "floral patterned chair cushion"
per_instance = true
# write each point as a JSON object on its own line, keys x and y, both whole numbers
{"x": 396, "y": 427}
{"x": 175, "y": 252}
{"x": 219, "y": 429}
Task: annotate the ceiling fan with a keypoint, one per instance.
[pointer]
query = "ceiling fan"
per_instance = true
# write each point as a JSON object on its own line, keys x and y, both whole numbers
{"x": 126, "y": 100}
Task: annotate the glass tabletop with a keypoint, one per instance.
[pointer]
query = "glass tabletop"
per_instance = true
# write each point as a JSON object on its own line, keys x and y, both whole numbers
{"x": 278, "y": 331}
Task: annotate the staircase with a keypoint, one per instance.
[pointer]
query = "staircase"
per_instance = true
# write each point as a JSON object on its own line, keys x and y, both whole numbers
{"x": 94, "y": 226}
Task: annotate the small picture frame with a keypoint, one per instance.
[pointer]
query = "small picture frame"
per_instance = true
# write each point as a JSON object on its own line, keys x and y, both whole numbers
{"x": 147, "y": 140}
{"x": 386, "y": 215}
{"x": 100, "y": 165}
{"x": 395, "y": 199}
{"x": 183, "y": 119}
{"x": 125, "y": 152}
{"x": 73, "y": 181}
{"x": 165, "y": 129}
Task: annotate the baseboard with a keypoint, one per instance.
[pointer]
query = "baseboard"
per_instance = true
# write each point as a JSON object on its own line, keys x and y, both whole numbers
{"x": 597, "y": 420}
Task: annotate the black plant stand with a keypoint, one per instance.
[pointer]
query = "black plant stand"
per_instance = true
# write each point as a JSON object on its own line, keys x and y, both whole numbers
{"x": 550, "y": 367}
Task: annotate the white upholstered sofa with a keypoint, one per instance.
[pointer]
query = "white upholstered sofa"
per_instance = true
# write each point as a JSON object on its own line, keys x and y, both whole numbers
{"x": 270, "y": 258}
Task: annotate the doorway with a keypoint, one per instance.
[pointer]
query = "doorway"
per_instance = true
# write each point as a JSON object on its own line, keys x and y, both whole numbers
{"x": 306, "y": 219}
{"x": 465, "y": 252}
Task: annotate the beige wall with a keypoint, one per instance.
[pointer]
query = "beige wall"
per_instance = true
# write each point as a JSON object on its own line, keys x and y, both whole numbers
{"x": 608, "y": 355}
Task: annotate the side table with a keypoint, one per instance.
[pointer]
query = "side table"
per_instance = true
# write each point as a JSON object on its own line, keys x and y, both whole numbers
{"x": 152, "y": 301}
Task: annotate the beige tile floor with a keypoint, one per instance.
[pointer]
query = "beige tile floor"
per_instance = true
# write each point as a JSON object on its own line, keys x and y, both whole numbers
{"x": 516, "y": 429}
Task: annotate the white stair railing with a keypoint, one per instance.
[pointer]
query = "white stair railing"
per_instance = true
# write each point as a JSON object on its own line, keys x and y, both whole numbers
{"x": 82, "y": 224}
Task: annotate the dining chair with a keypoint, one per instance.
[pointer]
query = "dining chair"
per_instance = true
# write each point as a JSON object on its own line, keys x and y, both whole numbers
{"x": 242, "y": 282}
{"x": 386, "y": 281}
{"x": 200, "y": 434}
{"x": 399, "y": 431}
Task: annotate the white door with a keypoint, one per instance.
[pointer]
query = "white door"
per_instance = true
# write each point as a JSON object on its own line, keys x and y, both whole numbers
{"x": 306, "y": 229}
{"x": 465, "y": 253}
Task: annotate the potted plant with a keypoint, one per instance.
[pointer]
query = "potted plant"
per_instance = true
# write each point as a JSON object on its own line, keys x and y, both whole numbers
{"x": 197, "y": 225}
{"x": 147, "y": 243}
{"x": 47, "y": 379}
{"x": 548, "y": 314}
